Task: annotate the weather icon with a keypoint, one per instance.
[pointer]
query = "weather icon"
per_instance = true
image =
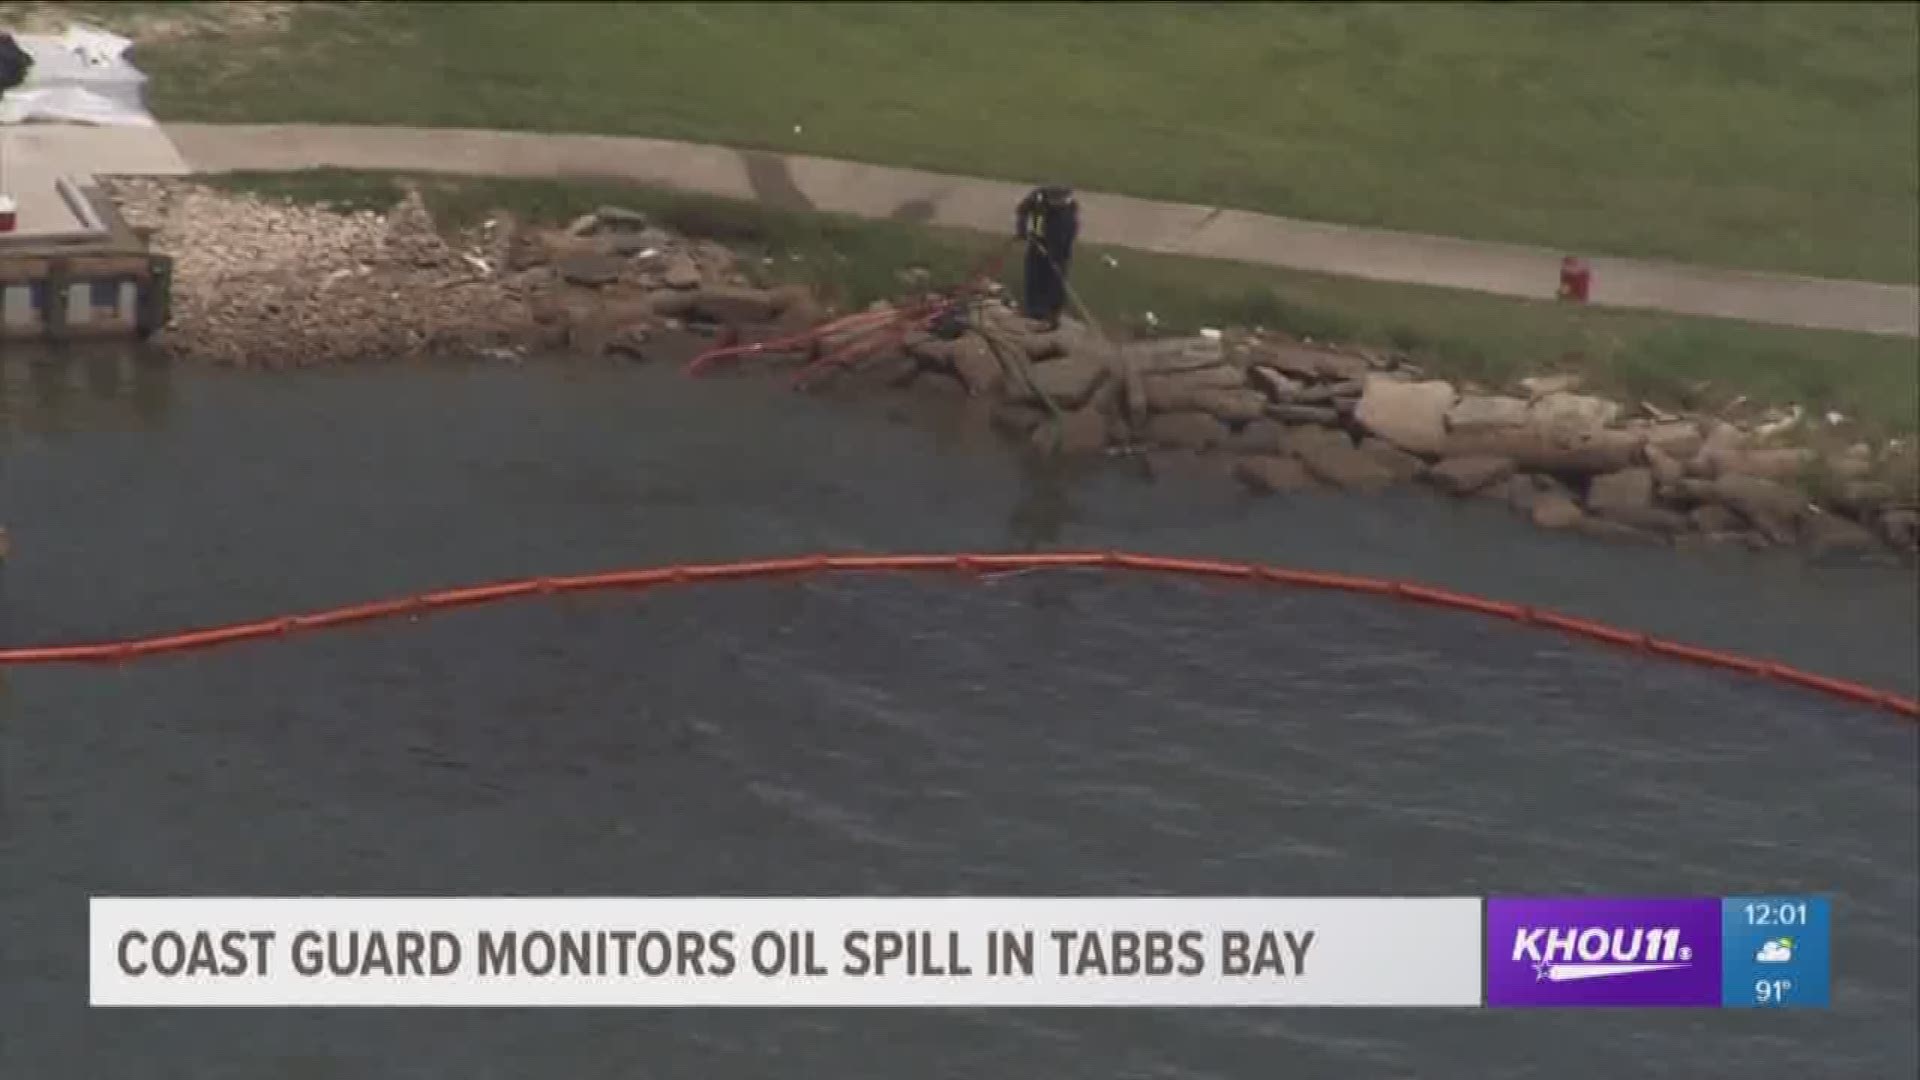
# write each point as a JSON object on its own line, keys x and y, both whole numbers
{"x": 1775, "y": 951}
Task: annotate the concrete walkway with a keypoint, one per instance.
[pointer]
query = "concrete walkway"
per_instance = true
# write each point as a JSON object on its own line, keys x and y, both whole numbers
{"x": 874, "y": 191}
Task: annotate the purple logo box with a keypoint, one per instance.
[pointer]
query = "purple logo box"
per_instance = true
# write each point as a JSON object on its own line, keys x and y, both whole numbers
{"x": 1587, "y": 952}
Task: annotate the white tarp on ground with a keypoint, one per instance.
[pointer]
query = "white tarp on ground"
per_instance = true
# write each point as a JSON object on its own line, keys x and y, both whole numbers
{"x": 79, "y": 77}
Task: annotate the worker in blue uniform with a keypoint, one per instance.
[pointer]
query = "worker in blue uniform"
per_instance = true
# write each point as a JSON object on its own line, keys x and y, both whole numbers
{"x": 1048, "y": 219}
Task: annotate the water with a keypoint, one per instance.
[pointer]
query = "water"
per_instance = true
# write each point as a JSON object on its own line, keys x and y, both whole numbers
{"x": 1046, "y": 733}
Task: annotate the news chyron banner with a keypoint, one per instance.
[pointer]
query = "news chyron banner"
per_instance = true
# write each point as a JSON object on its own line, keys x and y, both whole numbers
{"x": 779, "y": 952}
{"x": 1504, "y": 952}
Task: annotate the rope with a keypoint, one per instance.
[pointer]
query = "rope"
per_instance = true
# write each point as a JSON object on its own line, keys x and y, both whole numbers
{"x": 113, "y": 652}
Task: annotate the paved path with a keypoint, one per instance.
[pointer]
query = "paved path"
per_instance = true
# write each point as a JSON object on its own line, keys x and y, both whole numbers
{"x": 908, "y": 195}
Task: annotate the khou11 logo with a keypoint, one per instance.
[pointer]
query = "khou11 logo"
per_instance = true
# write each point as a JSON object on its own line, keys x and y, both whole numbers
{"x": 1614, "y": 952}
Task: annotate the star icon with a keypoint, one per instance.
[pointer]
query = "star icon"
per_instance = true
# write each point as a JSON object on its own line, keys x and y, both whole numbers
{"x": 1540, "y": 971}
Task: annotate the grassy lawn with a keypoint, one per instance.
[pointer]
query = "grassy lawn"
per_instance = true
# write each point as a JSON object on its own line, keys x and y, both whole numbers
{"x": 1460, "y": 335}
{"x": 1768, "y": 136}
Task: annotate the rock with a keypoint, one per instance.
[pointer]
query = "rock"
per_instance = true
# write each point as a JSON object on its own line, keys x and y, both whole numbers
{"x": 1017, "y": 419}
{"x": 979, "y": 369}
{"x": 1604, "y": 529}
{"x": 1901, "y": 528}
{"x": 1256, "y": 437}
{"x": 1184, "y": 391}
{"x": 1274, "y": 475}
{"x": 1404, "y": 466}
{"x": 619, "y": 219}
{"x": 1556, "y": 512}
{"x": 1550, "y": 449}
{"x": 1412, "y": 416}
{"x": 732, "y": 306}
{"x": 937, "y": 384}
{"x": 1540, "y": 386}
{"x": 1345, "y": 467}
{"x": 1722, "y": 446}
{"x": 1854, "y": 463}
{"x": 1236, "y": 406}
{"x": 1475, "y": 411}
{"x": 1864, "y": 497}
{"x": 1833, "y": 540}
{"x": 1068, "y": 381}
{"x": 591, "y": 269}
{"x": 1327, "y": 392}
{"x": 1079, "y": 433}
{"x": 1772, "y": 509}
{"x": 583, "y": 225}
{"x": 625, "y": 245}
{"x": 630, "y": 341}
{"x": 1314, "y": 364}
{"x": 1185, "y": 431}
{"x": 1621, "y": 494}
{"x": 1570, "y": 410}
{"x": 1517, "y": 491}
{"x": 1197, "y": 378}
{"x": 1713, "y": 518}
{"x": 1299, "y": 438}
{"x": 1466, "y": 475}
{"x": 1678, "y": 439}
{"x": 1276, "y": 385}
{"x": 1666, "y": 470}
{"x": 1304, "y": 414}
{"x": 681, "y": 272}
{"x": 1771, "y": 463}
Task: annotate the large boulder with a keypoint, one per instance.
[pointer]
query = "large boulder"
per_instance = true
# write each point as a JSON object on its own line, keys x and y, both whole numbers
{"x": 1466, "y": 475}
{"x": 1078, "y": 433}
{"x": 591, "y": 269}
{"x": 1620, "y": 495}
{"x": 1556, "y": 512}
{"x": 680, "y": 271}
{"x": 1403, "y": 465}
{"x": 1723, "y": 445}
{"x": 1235, "y": 406}
{"x": 1412, "y": 416}
{"x": 1833, "y": 540}
{"x": 1577, "y": 411}
{"x": 1312, "y": 364}
{"x": 1714, "y": 518}
{"x": 1678, "y": 439}
{"x": 1172, "y": 356}
{"x": 974, "y": 361}
{"x": 1346, "y": 467}
{"x": 1774, "y": 510}
{"x": 1666, "y": 469}
{"x": 1276, "y": 385}
{"x": 1289, "y": 413}
{"x": 1068, "y": 381}
{"x": 1274, "y": 475}
{"x": 1550, "y": 448}
{"x": 1185, "y": 430}
{"x": 1901, "y": 528}
{"x": 1300, "y": 438}
{"x": 732, "y": 306}
{"x": 1257, "y": 437}
{"x": 1017, "y": 418}
{"x": 1771, "y": 463}
{"x": 1479, "y": 411}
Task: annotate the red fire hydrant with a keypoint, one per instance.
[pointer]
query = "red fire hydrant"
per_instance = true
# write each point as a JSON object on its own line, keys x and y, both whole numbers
{"x": 1576, "y": 278}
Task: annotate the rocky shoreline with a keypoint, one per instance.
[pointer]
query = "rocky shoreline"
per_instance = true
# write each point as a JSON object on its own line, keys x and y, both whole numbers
{"x": 264, "y": 284}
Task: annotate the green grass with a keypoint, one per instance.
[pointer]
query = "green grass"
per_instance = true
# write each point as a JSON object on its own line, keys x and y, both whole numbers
{"x": 1767, "y": 136}
{"x": 1463, "y": 336}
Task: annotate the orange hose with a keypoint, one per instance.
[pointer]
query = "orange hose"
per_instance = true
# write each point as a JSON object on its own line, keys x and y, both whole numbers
{"x": 119, "y": 651}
